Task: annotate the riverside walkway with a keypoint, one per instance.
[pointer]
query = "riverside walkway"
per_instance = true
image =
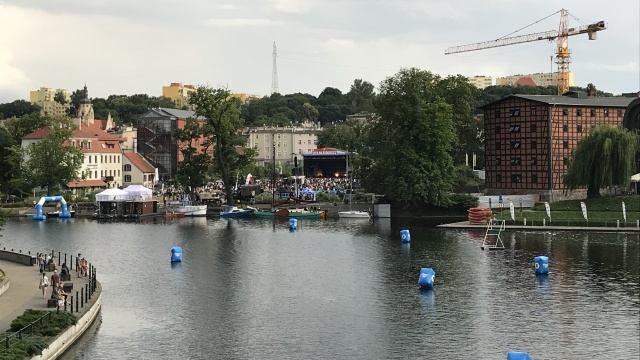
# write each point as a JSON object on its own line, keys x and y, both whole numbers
{"x": 23, "y": 292}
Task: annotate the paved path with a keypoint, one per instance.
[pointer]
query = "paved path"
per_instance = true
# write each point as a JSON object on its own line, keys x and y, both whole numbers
{"x": 24, "y": 294}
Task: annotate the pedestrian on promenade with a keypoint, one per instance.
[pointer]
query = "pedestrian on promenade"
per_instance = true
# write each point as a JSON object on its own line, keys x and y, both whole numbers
{"x": 78, "y": 265}
{"x": 41, "y": 262}
{"x": 64, "y": 273}
{"x": 55, "y": 279}
{"x": 44, "y": 283}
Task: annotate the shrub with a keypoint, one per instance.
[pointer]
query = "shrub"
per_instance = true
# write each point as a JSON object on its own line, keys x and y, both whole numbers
{"x": 327, "y": 197}
{"x": 462, "y": 201}
{"x": 265, "y": 198}
{"x": 33, "y": 343}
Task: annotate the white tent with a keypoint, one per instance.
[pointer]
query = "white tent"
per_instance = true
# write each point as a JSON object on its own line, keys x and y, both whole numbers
{"x": 138, "y": 192}
{"x": 636, "y": 178}
{"x": 113, "y": 195}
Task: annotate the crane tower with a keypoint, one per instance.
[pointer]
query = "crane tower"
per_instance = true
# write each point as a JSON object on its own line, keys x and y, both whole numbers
{"x": 563, "y": 54}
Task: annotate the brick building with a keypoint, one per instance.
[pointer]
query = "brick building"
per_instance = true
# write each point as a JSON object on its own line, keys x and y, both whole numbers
{"x": 529, "y": 139}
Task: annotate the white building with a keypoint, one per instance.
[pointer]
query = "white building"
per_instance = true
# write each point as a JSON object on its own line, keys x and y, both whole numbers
{"x": 481, "y": 82}
{"x": 540, "y": 79}
{"x": 289, "y": 141}
{"x": 137, "y": 171}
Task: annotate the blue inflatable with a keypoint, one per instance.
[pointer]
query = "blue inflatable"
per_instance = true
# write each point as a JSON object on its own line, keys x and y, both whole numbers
{"x": 405, "y": 237}
{"x": 63, "y": 214}
{"x": 541, "y": 264}
{"x": 427, "y": 277}
{"x": 176, "y": 254}
{"x": 293, "y": 224}
{"x": 517, "y": 355}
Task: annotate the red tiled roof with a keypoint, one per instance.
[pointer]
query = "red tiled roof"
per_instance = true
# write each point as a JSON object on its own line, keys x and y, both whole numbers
{"x": 525, "y": 81}
{"x": 86, "y": 183}
{"x": 141, "y": 163}
{"x": 38, "y": 134}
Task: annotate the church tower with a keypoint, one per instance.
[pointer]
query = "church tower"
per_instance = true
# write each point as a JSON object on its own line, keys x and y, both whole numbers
{"x": 85, "y": 110}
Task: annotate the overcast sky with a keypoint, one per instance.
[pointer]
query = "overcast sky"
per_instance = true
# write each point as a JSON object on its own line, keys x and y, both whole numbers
{"x": 130, "y": 47}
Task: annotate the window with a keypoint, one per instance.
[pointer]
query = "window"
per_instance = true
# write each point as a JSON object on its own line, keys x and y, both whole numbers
{"x": 73, "y": 143}
{"x": 565, "y": 161}
{"x": 534, "y": 144}
{"x": 534, "y": 160}
{"x": 534, "y": 178}
{"x": 579, "y": 112}
{"x": 533, "y": 111}
{"x": 498, "y": 145}
{"x": 565, "y": 128}
{"x": 593, "y": 112}
{"x": 534, "y": 128}
{"x": 96, "y": 174}
{"x": 89, "y": 144}
{"x": 118, "y": 172}
{"x": 497, "y": 113}
{"x": 516, "y": 178}
{"x": 515, "y": 144}
{"x": 565, "y": 144}
{"x": 498, "y": 160}
{"x": 127, "y": 167}
{"x": 515, "y": 161}
{"x": 127, "y": 178}
{"x": 619, "y": 113}
{"x": 308, "y": 142}
{"x": 514, "y": 112}
{"x": 498, "y": 177}
{"x": 95, "y": 159}
{"x": 299, "y": 142}
{"x": 579, "y": 128}
{"x": 606, "y": 112}
{"x": 565, "y": 111}
{"x": 144, "y": 177}
{"x": 514, "y": 128}
{"x": 81, "y": 143}
{"x": 89, "y": 159}
{"x": 497, "y": 129}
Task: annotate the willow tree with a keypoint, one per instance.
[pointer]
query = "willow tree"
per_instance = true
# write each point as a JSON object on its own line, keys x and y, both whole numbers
{"x": 221, "y": 112}
{"x": 411, "y": 140}
{"x": 605, "y": 157}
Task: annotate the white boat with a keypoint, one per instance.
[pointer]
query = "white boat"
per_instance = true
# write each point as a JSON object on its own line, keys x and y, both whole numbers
{"x": 354, "y": 214}
{"x": 229, "y": 211}
{"x": 188, "y": 209}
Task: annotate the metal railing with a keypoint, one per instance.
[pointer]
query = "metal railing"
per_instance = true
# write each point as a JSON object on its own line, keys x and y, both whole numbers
{"x": 82, "y": 297}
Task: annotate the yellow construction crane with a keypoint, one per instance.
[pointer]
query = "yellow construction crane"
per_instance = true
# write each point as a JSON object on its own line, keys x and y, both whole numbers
{"x": 563, "y": 54}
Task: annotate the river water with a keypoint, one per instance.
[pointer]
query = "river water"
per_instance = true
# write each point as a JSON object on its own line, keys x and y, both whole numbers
{"x": 251, "y": 289}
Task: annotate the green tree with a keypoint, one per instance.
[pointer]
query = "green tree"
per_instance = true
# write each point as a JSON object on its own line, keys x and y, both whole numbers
{"x": 360, "y": 97}
{"x": 18, "y": 127}
{"x": 605, "y": 157}
{"x": 342, "y": 136}
{"x": 6, "y": 142}
{"x": 192, "y": 170}
{"x": 60, "y": 98}
{"x": 221, "y": 112}
{"x": 53, "y": 162}
{"x": 17, "y": 108}
{"x": 410, "y": 143}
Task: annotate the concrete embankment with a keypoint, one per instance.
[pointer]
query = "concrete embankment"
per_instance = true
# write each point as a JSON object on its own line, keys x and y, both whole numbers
{"x": 466, "y": 225}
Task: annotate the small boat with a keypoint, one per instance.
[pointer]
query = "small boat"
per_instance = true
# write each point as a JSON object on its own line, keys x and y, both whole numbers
{"x": 188, "y": 209}
{"x": 291, "y": 213}
{"x": 174, "y": 215}
{"x": 354, "y": 214}
{"x": 229, "y": 211}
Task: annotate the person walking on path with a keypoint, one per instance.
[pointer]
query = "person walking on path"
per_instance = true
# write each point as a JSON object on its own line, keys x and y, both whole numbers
{"x": 44, "y": 283}
{"x": 78, "y": 265}
{"x": 55, "y": 279}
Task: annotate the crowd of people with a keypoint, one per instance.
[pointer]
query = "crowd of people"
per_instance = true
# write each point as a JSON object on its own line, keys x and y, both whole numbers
{"x": 47, "y": 262}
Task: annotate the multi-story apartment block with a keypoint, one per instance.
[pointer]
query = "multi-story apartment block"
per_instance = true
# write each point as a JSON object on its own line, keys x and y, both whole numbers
{"x": 179, "y": 94}
{"x": 44, "y": 97}
{"x": 540, "y": 79}
{"x": 157, "y": 143}
{"x": 529, "y": 139}
{"x": 481, "y": 82}
{"x": 283, "y": 142}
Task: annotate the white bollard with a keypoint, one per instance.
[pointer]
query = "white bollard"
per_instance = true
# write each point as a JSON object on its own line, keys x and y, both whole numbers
{"x": 638, "y": 224}
{"x": 618, "y": 224}
{"x": 525, "y": 221}
{"x": 544, "y": 222}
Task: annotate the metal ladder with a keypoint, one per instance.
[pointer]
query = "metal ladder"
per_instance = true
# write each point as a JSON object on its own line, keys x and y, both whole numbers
{"x": 492, "y": 240}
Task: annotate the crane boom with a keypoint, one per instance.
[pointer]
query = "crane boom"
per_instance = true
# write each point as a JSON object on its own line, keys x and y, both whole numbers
{"x": 546, "y": 35}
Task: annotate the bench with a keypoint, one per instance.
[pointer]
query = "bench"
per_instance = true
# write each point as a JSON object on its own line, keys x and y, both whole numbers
{"x": 51, "y": 303}
{"x": 67, "y": 287}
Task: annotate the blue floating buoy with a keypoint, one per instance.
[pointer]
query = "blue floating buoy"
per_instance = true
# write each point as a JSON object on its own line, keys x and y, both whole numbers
{"x": 518, "y": 355}
{"x": 541, "y": 264}
{"x": 427, "y": 277}
{"x": 176, "y": 254}
{"x": 405, "y": 236}
{"x": 293, "y": 224}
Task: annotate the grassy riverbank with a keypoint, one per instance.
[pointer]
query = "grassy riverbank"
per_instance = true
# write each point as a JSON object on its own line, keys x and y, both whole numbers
{"x": 606, "y": 211}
